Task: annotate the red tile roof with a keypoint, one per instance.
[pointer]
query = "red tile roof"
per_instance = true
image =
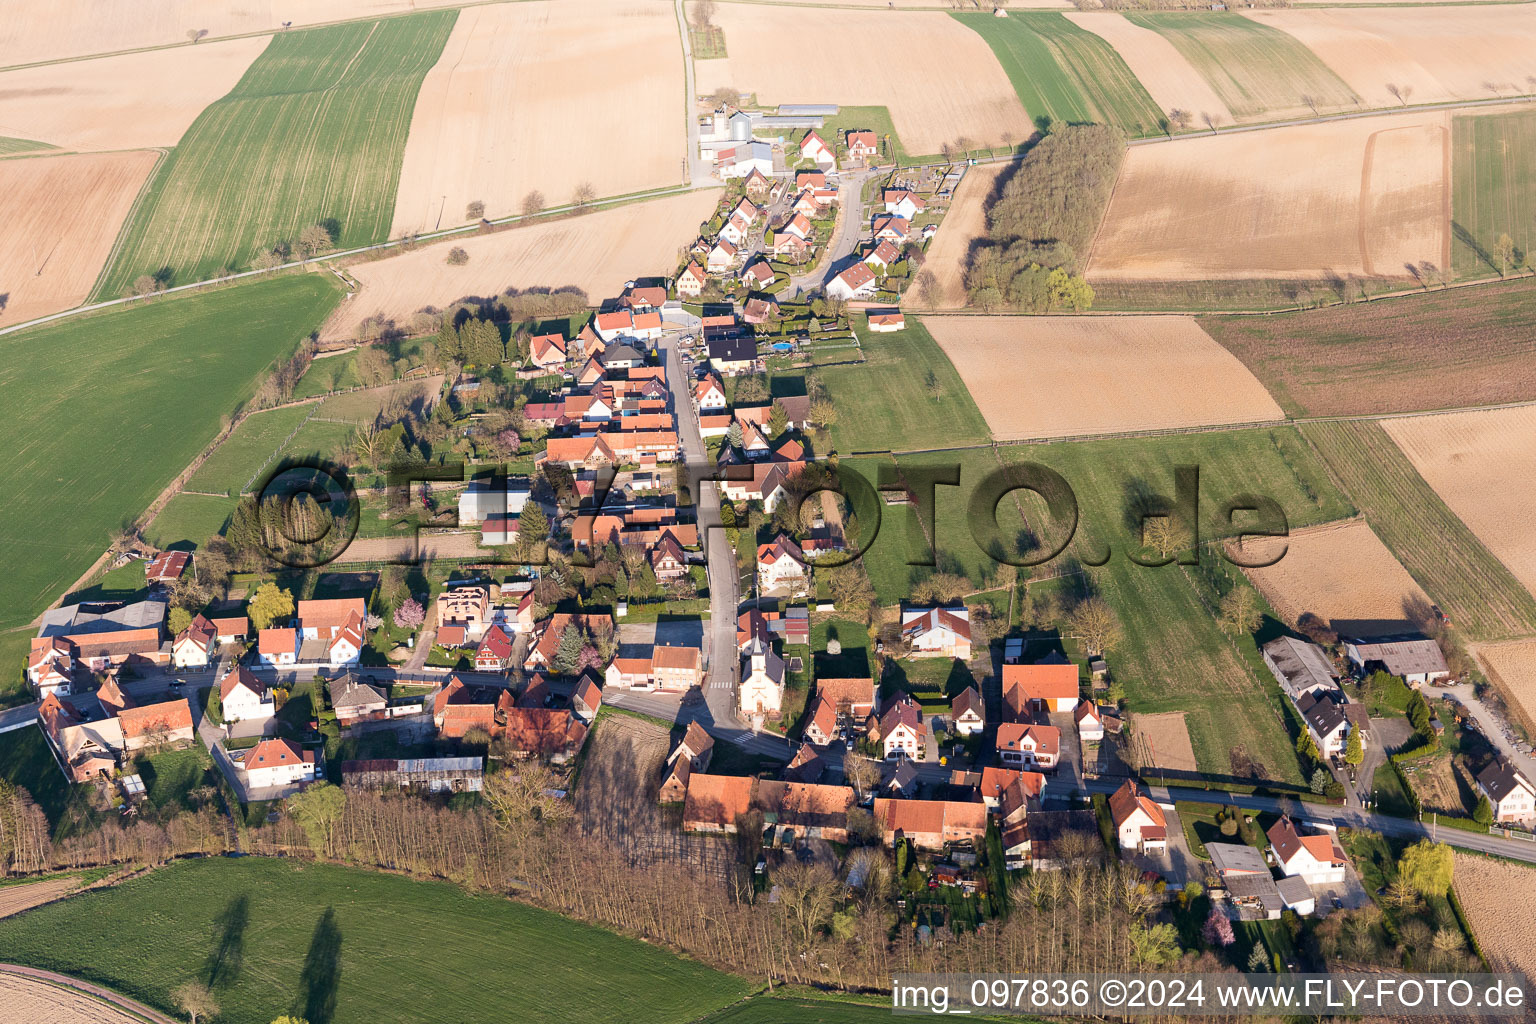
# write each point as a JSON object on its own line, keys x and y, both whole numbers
{"x": 273, "y": 753}
{"x": 717, "y": 799}
{"x": 1041, "y": 682}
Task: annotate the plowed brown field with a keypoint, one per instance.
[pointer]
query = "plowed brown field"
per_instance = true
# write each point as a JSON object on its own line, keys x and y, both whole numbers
{"x": 940, "y": 80}
{"x": 60, "y": 217}
{"x": 963, "y": 225}
{"x": 1361, "y": 197}
{"x": 1340, "y": 572}
{"x": 1513, "y": 666}
{"x": 1499, "y": 899}
{"x": 38, "y": 1002}
{"x": 1483, "y": 465}
{"x": 1162, "y": 741}
{"x": 1429, "y": 55}
{"x": 596, "y": 252}
{"x": 130, "y": 101}
{"x": 1039, "y": 377}
{"x": 544, "y": 96}
{"x": 16, "y": 898}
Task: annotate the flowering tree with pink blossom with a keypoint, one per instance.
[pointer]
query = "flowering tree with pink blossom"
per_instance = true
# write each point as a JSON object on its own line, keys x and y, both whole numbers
{"x": 410, "y": 614}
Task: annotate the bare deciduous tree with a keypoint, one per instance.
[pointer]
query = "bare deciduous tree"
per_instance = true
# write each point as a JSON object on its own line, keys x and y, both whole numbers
{"x": 703, "y": 13}
{"x": 195, "y": 1000}
{"x": 457, "y": 256}
{"x": 583, "y": 194}
{"x": 1095, "y": 624}
{"x": 475, "y": 210}
{"x": 533, "y": 203}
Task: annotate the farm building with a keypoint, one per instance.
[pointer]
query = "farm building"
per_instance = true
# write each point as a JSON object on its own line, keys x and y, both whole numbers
{"x": 428, "y": 775}
{"x": 1417, "y": 659}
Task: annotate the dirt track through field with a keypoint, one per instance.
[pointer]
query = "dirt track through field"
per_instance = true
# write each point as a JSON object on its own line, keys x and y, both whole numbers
{"x": 61, "y": 215}
{"x": 131, "y": 101}
{"x": 1427, "y": 55}
{"x": 596, "y": 252}
{"x": 939, "y": 79}
{"x": 1483, "y": 465}
{"x": 963, "y": 225}
{"x": 1365, "y": 196}
{"x": 1039, "y": 377}
{"x": 543, "y": 96}
{"x": 1340, "y": 572}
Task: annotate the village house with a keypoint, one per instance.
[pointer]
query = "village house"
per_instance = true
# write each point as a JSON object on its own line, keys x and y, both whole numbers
{"x": 84, "y": 745}
{"x": 798, "y": 226}
{"x": 1032, "y": 689}
{"x": 781, "y": 566}
{"x": 494, "y": 654}
{"x": 757, "y": 274}
{"x": 692, "y": 754}
{"x": 900, "y": 729}
{"x": 863, "y": 145}
{"x": 892, "y": 229}
{"x": 354, "y": 700}
{"x": 1318, "y": 858}
{"x": 853, "y": 696}
{"x": 736, "y": 229}
{"x": 1139, "y": 822}
{"x": 587, "y": 699}
{"x": 732, "y": 356}
{"x": 1417, "y": 660}
{"x": 690, "y": 283}
{"x": 331, "y": 631}
{"x": 276, "y": 762}
{"x": 667, "y": 558}
{"x": 487, "y": 496}
{"x": 51, "y": 666}
{"x": 757, "y": 185}
{"x": 1090, "y": 723}
{"x": 1028, "y": 745}
{"x": 902, "y": 203}
{"x": 855, "y": 283}
{"x": 902, "y": 780}
{"x": 278, "y": 647}
{"x": 997, "y": 783}
{"x": 547, "y": 351}
{"x": 244, "y": 697}
{"x": 497, "y": 530}
{"x": 762, "y": 681}
{"x": 709, "y": 394}
{"x": 1327, "y": 723}
{"x": 722, "y": 256}
{"x": 231, "y": 629}
{"x": 664, "y": 668}
{"x": 791, "y": 248}
{"x": 937, "y": 632}
{"x": 881, "y": 256}
{"x": 967, "y": 712}
{"x": 759, "y": 310}
{"x": 196, "y": 645}
{"x": 543, "y": 646}
{"x": 821, "y": 722}
{"x": 1510, "y": 794}
{"x": 931, "y": 824}
{"x": 715, "y": 803}
{"x": 813, "y": 148}
{"x": 555, "y": 734}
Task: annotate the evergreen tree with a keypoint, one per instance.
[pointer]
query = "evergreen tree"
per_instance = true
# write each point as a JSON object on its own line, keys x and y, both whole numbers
{"x": 448, "y": 343}
{"x": 778, "y": 419}
{"x": 568, "y": 654}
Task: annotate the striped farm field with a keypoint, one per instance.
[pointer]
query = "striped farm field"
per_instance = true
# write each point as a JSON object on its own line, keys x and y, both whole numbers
{"x": 1259, "y": 72}
{"x": 1440, "y": 552}
{"x": 1065, "y": 72}
{"x": 107, "y": 409}
{"x": 1493, "y": 175}
{"x": 313, "y": 133}
{"x": 10, "y": 146}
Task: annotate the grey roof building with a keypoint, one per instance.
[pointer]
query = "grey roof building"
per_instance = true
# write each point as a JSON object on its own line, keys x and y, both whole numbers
{"x": 77, "y": 619}
{"x": 1298, "y": 666}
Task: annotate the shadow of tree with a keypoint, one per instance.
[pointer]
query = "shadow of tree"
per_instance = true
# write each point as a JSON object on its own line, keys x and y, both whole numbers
{"x": 228, "y": 953}
{"x": 321, "y": 974}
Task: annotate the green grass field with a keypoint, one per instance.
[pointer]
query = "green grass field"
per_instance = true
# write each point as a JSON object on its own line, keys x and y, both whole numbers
{"x": 886, "y": 404}
{"x": 1493, "y": 176}
{"x": 380, "y": 948}
{"x": 253, "y": 444}
{"x": 1463, "y": 577}
{"x": 1255, "y": 69}
{"x": 314, "y": 131}
{"x": 319, "y": 438}
{"x": 106, "y": 409}
{"x": 26, "y": 761}
{"x": 10, "y": 146}
{"x": 190, "y": 519}
{"x": 1065, "y": 72}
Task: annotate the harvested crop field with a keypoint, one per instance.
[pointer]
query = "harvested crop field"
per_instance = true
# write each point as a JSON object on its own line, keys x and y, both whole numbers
{"x": 516, "y": 78}
{"x": 411, "y": 548}
{"x": 1505, "y": 930}
{"x": 16, "y": 898}
{"x": 596, "y": 252}
{"x": 963, "y": 226}
{"x": 1429, "y": 55}
{"x": 42, "y": 1003}
{"x": 1259, "y": 72}
{"x": 1513, "y": 667}
{"x": 1359, "y": 197}
{"x": 1050, "y": 377}
{"x": 1340, "y": 572}
{"x": 1458, "y": 571}
{"x": 312, "y": 133}
{"x": 1170, "y": 78}
{"x": 34, "y": 33}
{"x": 128, "y": 101}
{"x": 1483, "y": 465}
{"x": 1434, "y": 349}
{"x": 1162, "y": 741}
{"x": 956, "y": 89}
{"x": 61, "y": 215}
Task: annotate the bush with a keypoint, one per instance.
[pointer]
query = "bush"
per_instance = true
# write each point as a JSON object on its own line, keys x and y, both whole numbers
{"x": 457, "y": 256}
